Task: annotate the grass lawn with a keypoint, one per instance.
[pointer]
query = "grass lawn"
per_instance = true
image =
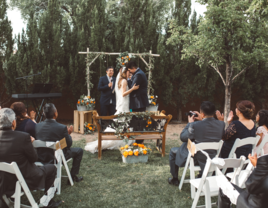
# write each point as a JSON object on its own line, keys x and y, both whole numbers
{"x": 111, "y": 183}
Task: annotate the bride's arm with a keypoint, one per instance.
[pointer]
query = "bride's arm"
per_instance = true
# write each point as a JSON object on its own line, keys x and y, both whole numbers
{"x": 125, "y": 92}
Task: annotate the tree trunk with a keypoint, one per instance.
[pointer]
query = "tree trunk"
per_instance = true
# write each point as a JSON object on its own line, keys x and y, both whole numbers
{"x": 227, "y": 103}
{"x": 228, "y": 89}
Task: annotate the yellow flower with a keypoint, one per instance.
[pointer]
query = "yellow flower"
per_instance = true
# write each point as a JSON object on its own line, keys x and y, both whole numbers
{"x": 144, "y": 152}
{"x": 130, "y": 153}
{"x": 135, "y": 144}
{"x": 78, "y": 102}
{"x": 152, "y": 97}
{"x": 90, "y": 128}
{"x": 121, "y": 148}
{"x": 136, "y": 153}
{"x": 126, "y": 146}
{"x": 88, "y": 97}
{"x": 125, "y": 153}
{"x": 153, "y": 103}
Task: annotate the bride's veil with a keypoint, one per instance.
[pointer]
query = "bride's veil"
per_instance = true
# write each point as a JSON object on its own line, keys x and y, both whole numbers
{"x": 118, "y": 95}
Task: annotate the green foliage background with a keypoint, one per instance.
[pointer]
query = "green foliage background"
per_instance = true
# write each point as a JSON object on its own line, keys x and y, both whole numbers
{"x": 58, "y": 29}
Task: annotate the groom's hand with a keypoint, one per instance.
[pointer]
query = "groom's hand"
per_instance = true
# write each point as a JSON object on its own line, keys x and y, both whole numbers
{"x": 110, "y": 84}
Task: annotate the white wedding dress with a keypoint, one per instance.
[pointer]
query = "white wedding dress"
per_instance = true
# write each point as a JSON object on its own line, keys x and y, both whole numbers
{"x": 122, "y": 106}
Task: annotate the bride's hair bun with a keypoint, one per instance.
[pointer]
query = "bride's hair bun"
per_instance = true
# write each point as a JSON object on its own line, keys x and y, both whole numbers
{"x": 246, "y": 107}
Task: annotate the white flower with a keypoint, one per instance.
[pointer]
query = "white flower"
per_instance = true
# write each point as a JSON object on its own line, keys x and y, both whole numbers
{"x": 156, "y": 96}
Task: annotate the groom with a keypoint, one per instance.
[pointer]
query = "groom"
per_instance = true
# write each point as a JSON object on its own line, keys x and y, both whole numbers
{"x": 138, "y": 98}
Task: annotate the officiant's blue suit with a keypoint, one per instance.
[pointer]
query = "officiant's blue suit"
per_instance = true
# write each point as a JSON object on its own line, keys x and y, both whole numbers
{"x": 138, "y": 98}
{"x": 107, "y": 99}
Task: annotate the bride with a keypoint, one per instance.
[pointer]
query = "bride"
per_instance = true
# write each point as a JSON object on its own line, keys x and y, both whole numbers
{"x": 122, "y": 106}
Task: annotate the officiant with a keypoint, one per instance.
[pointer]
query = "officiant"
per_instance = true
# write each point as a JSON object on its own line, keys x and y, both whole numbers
{"x": 107, "y": 99}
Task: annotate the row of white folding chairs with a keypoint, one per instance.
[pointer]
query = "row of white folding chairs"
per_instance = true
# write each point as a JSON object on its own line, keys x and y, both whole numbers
{"x": 21, "y": 184}
{"x": 208, "y": 185}
{"x": 217, "y": 146}
{"x": 259, "y": 151}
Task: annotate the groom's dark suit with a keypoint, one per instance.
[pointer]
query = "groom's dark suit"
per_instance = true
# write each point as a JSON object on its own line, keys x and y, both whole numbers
{"x": 107, "y": 100}
{"x": 138, "y": 98}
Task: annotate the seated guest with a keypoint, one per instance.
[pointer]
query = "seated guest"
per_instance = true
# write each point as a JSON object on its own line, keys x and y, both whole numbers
{"x": 24, "y": 122}
{"x": 51, "y": 130}
{"x": 206, "y": 129}
{"x": 243, "y": 128}
{"x": 16, "y": 146}
{"x": 262, "y": 131}
{"x": 256, "y": 193}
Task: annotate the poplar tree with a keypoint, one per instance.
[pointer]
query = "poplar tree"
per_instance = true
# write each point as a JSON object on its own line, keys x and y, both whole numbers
{"x": 6, "y": 49}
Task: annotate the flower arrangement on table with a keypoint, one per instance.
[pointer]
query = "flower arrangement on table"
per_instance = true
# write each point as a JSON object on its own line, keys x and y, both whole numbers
{"x": 86, "y": 101}
{"x": 135, "y": 150}
{"x": 89, "y": 128}
{"x": 152, "y": 99}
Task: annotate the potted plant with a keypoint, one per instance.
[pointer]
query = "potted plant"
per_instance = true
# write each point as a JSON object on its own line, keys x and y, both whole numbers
{"x": 153, "y": 107}
{"x": 135, "y": 154}
{"x": 85, "y": 103}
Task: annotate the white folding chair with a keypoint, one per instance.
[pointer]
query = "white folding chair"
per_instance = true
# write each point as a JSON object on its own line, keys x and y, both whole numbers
{"x": 242, "y": 142}
{"x": 60, "y": 159}
{"x": 20, "y": 184}
{"x": 245, "y": 173}
{"x": 207, "y": 185}
{"x": 190, "y": 162}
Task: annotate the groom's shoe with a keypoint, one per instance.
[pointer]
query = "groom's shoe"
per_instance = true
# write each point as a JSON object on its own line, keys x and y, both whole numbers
{"x": 173, "y": 181}
{"x": 76, "y": 179}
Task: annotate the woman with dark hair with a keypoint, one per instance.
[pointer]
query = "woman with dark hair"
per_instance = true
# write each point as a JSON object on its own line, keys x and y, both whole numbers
{"x": 242, "y": 128}
{"x": 25, "y": 123}
{"x": 262, "y": 131}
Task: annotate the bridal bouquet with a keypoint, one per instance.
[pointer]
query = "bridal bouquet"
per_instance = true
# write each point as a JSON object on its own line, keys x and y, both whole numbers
{"x": 86, "y": 101}
{"x": 135, "y": 150}
{"x": 152, "y": 99}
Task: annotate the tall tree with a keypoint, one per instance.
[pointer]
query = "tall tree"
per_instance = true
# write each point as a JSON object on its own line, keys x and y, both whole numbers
{"x": 225, "y": 41}
{"x": 39, "y": 50}
{"x": 6, "y": 48}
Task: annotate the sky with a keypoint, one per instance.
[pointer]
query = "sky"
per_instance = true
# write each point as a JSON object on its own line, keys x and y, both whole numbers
{"x": 17, "y": 22}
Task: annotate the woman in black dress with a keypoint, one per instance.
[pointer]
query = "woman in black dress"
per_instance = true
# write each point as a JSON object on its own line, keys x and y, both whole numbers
{"x": 25, "y": 123}
{"x": 242, "y": 128}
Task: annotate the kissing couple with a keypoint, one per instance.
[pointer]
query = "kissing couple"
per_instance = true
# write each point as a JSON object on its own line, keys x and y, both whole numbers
{"x": 130, "y": 92}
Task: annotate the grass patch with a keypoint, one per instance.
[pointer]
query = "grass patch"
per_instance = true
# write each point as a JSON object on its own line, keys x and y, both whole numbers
{"x": 111, "y": 183}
